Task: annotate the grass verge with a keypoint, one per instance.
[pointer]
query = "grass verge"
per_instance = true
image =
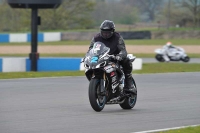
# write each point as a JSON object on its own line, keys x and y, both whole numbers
{"x": 12, "y": 75}
{"x": 147, "y": 68}
{"x": 184, "y": 130}
{"x": 168, "y": 67}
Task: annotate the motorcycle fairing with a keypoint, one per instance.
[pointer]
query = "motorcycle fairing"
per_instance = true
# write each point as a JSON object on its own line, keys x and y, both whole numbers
{"x": 96, "y": 57}
{"x": 173, "y": 54}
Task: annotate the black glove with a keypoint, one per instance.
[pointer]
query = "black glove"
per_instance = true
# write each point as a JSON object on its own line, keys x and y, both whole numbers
{"x": 118, "y": 57}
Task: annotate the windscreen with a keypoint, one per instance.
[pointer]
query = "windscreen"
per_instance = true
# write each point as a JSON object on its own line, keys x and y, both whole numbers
{"x": 98, "y": 49}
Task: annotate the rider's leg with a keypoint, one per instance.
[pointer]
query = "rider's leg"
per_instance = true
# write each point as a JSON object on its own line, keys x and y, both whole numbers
{"x": 166, "y": 58}
{"x": 127, "y": 68}
{"x": 179, "y": 54}
{"x": 165, "y": 55}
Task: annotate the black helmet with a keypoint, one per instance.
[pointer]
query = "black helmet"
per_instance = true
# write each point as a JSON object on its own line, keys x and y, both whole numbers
{"x": 107, "y": 29}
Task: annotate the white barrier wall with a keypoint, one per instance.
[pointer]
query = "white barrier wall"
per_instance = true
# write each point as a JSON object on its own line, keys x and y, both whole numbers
{"x": 16, "y": 64}
{"x": 82, "y": 68}
{"x": 52, "y": 36}
{"x": 13, "y": 64}
{"x": 18, "y": 37}
{"x": 137, "y": 65}
{"x": 26, "y": 37}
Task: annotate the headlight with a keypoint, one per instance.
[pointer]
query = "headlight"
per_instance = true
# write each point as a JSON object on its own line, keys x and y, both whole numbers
{"x": 101, "y": 64}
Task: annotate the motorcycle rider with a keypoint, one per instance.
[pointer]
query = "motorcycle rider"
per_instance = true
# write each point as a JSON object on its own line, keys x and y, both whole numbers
{"x": 170, "y": 50}
{"x": 115, "y": 42}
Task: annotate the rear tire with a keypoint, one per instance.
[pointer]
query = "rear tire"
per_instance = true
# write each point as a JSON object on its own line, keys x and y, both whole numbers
{"x": 97, "y": 101}
{"x": 130, "y": 102}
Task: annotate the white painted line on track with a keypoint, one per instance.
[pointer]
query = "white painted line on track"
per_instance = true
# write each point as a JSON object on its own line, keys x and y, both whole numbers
{"x": 166, "y": 129}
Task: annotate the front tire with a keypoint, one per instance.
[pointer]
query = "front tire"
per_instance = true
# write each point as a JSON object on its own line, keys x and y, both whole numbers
{"x": 97, "y": 101}
{"x": 130, "y": 102}
{"x": 159, "y": 58}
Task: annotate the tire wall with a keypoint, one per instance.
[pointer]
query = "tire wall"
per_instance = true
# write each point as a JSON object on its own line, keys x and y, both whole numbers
{"x": 175, "y": 35}
{"x": 136, "y": 35}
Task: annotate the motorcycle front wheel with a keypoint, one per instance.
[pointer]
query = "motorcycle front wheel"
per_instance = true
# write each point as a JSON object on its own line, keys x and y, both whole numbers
{"x": 186, "y": 59}
{"x": 97, "y": 101}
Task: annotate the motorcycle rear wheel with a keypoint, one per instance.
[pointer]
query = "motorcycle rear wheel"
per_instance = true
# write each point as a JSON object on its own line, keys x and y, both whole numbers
{"x": 130, "y": 102}
{"x": 159, "y": 58}
{"x": 97, "y": 101}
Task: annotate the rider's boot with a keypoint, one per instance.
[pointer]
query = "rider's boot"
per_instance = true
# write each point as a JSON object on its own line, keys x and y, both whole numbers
{"x": 166, "y": 58}
{"x": 129, "y": 87}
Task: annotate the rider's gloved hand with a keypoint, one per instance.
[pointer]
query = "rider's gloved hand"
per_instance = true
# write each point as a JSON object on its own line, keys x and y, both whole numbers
{"x": 118, "y": 57}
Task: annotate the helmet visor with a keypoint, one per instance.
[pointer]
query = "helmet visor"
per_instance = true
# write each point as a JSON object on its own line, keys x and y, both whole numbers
{"x": 106, "y": 34}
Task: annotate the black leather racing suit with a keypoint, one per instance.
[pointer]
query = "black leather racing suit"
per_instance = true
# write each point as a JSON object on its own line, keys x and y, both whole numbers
{"x": 117, "y": 46}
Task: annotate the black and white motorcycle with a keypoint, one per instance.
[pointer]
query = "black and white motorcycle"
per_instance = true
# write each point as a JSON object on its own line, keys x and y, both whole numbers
{"x": 174, "y": 54}
{"x": 106, "y": 79}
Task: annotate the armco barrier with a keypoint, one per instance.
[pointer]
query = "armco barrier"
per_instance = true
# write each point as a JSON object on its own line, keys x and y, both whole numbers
{"x": 9, "y": 64}
{"x": 13, "y": 64}
{"x": 56, "y": 64}
{"x": 4, "y": 38}
{"x": 1, "y": 65}
{"x": 26, "y": 37}
{"x": 87, "y": 35}
{"x": 137, "y": 65}
{"x": 136, "y": 35}
{"x": 58, "y": 36}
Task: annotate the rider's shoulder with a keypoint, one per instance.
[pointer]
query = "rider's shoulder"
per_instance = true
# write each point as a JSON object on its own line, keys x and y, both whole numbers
{"x": 117, "y": 34}
{"x": 97, "y": 35}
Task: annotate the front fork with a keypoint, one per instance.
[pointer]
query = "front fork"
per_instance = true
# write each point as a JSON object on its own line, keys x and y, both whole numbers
{"x": 103, "y": 84}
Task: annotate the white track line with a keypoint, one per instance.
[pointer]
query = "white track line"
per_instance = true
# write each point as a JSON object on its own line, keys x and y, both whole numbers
{"x": 166, "y": 129}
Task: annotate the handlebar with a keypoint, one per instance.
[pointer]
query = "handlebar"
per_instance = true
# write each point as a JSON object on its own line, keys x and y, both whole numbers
{"x": 130, "y": 56}
{"x": 112, "y": 56}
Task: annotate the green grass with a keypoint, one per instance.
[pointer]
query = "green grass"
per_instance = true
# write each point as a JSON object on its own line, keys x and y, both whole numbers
{"x": 168, "y": 67}
{"x": 184, "y": 130}
{"x": 128, "y": 42}
{"x": 83, "y": 54}
{"x": 163, "y": 41}
{"x": 147, "y": 68}
{"x": 12, "y": 75}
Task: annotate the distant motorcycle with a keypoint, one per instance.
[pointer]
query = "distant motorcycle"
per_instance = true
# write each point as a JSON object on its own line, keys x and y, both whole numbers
{"x": 174, "y": 54}
{"x": 106, "y": 79}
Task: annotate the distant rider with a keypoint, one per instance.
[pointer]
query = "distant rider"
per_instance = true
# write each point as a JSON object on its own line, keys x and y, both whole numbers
{"x": 115, "y": 42}
{"x": 170, "y": 50}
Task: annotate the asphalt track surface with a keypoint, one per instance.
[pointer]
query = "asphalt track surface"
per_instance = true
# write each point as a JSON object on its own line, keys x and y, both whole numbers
{"x": 61, "y": 105}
